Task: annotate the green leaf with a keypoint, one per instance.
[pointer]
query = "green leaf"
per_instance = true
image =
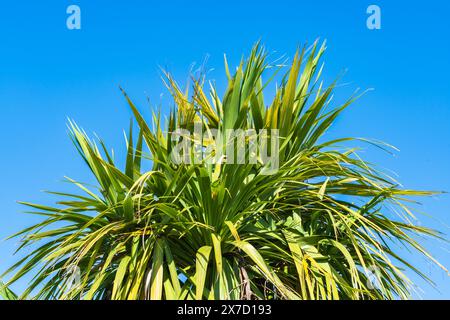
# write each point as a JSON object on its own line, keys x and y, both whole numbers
{"x": 201, "y": 266}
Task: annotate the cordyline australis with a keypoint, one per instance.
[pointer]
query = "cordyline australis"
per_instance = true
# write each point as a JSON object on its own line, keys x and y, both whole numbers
{"x": 318, "y": 227}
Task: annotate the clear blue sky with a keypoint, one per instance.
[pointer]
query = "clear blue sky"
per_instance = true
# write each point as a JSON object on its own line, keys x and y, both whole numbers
{"x": 48, "y": 73}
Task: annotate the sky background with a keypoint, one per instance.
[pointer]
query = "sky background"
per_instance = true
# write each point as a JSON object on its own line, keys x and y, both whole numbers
{"x": 49, "y": 73}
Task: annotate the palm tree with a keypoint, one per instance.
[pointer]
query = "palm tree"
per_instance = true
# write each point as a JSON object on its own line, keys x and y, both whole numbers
{"x": 313, "y": 222}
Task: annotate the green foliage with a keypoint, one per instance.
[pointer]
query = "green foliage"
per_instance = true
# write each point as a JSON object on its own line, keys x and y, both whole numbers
{"x": 6, "y": 293}
{"x": 313, "y": 229}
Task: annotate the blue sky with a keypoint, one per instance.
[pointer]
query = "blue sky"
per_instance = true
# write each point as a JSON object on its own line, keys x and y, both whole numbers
{"x": 49, "y": 73}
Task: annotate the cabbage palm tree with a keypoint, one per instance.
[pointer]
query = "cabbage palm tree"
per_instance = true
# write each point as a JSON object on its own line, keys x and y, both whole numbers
{"x": 320, "y": 223}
